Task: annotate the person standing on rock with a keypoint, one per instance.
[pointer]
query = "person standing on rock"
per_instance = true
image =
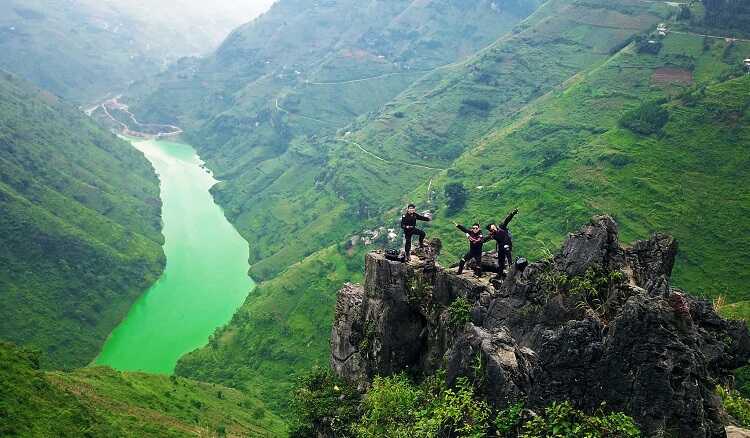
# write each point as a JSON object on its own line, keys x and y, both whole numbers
{"x": 503, "y": 242}
{"x": 476, "y": 241}
{"x": 504, "y": 239}
{"x": 409, "y": 225}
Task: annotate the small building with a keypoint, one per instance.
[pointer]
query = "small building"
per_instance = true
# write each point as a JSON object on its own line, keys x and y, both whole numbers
{"x": 747, "y": 64}
{"x": 662, "y": 30}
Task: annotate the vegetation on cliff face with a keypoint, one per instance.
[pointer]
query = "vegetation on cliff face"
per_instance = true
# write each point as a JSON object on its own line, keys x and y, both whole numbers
{"x": 395, "y": 406}
{"x": 101, "y": 402}
{"x": 80, "y": 226}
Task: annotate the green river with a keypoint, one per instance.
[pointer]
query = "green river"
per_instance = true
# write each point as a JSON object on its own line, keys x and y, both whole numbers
{"x": 205, "y": 279}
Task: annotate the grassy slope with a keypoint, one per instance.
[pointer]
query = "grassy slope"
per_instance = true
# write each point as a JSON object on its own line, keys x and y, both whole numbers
{"x": 337, "y": 179}
{"x": 430, "y": 123}
{"x": 80, "y": 229}
{"x": 567, "y": 158}
{"x": 101, "y": 402}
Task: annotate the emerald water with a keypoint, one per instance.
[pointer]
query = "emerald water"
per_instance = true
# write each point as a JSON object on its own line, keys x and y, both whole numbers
{"x": 205, "y": 279}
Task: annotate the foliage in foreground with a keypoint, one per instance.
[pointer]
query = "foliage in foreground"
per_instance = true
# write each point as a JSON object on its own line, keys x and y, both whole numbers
{"x": 735, "y": 404}
{"x": 396, "y": 407}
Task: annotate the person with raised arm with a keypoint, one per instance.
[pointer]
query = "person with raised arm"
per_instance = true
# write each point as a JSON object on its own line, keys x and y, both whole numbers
{"x": 504, "y": 241}
{"x": 476, "y": 241}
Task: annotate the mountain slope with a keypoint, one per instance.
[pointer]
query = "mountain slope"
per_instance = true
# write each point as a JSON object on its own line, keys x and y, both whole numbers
{"x": 573, "y": 154}
{"x": 419, "y": 132}
{"x": 85, "y": 49}
{"x": 80, "y": 231}
{"x": 257, "y": 109}
{"x": 101, "y": 402}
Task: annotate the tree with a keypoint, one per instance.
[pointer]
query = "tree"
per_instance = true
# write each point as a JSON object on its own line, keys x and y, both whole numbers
{"x": 456, "y": 195}
{"x": 647, "y": 119}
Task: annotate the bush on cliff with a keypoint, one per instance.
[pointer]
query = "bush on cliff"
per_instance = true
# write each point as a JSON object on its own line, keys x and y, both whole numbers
{"x": 396, "y": 407}
{"x": 736, "y": 405}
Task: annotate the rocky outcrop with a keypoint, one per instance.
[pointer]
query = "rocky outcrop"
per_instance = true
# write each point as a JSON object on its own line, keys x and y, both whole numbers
{"x": 596, "y": 323}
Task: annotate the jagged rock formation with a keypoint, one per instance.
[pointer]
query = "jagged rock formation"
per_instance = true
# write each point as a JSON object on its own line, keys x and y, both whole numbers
{"x": 596, "y": 323}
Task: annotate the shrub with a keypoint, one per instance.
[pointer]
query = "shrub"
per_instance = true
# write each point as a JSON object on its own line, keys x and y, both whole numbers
{"x": 456, "y": 195}
{"x": 459, "y": 312}
{"x": 647, "y": 45}
{"x": 563, "y": 420}
{"x": 508, "y": 420}
{"x": 396, "y": 408}
{"x": 647, "y": 119}
{"x": 323, "y": 403}
{"x": 388, "y": 407}
{"x": 736, "y": 405}
{"x": 456, "y": 412}
{"x": 475, "y": 105}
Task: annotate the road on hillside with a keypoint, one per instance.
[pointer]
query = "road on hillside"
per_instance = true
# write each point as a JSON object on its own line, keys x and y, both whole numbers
{"x": 403, "y": 163}
{"x": 170, "y": 131}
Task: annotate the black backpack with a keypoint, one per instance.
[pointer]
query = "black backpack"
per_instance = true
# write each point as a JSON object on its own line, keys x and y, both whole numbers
{"x": 393, "y": 255}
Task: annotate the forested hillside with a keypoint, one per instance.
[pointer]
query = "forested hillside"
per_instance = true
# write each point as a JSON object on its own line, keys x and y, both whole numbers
{"x": 581, "y": 108}
{"x": 80, "y": 226}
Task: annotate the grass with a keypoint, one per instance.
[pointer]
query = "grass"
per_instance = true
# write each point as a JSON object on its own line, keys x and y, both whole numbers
{"x": 101, "y": 402}
{"x": 570, "y": 159}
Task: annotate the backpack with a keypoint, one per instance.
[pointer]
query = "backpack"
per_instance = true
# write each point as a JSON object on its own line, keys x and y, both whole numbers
{"x": 393, "y": 255}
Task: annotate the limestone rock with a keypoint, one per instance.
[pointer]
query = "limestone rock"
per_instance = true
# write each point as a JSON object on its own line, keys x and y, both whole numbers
{"x": 550, "y": 333}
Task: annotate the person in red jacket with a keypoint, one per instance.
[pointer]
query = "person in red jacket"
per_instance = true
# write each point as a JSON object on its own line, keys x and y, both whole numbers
{"x": 476, "y": 241}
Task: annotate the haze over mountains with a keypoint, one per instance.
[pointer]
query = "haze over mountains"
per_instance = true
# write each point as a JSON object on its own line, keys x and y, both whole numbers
{"x": 84, "y": 49}
{"x": 322, "y": 119}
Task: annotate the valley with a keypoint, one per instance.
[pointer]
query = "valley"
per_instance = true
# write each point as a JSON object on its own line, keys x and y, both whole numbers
{"x": 145, "y": 190}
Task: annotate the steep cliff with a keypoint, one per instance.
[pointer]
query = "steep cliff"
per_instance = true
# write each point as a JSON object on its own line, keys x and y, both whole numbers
{"x": 598, "y": 322}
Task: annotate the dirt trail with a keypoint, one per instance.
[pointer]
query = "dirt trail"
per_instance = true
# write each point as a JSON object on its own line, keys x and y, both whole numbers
{"x": 402, "y": 163}
{"x": 718, "y": 37}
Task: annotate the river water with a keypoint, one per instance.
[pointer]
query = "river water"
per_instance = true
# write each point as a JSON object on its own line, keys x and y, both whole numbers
{"x": 205, "y": 279}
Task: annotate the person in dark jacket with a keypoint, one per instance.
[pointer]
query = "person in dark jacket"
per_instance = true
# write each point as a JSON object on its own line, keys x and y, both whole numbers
{"x": 409, "y": 225}
{"x": 476, "y": 241}
{"x": 503, "y": 243}
{"x": 501, "y": 249}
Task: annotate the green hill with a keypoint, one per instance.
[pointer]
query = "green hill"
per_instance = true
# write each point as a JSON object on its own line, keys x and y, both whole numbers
{"x": 580, "y": 108}
{"x": 101, "y": 402}
{"x": 80, "y": 232}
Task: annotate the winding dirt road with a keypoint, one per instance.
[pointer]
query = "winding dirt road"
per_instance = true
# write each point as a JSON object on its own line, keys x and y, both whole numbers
{"x": 114, "y": 103}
